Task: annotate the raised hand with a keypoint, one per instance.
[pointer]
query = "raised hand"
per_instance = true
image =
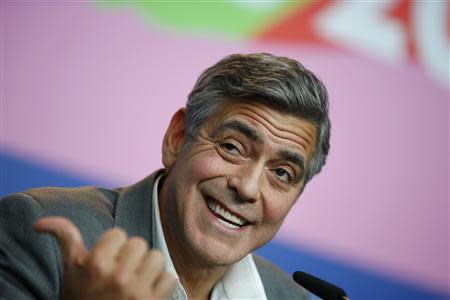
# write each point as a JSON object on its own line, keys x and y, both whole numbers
{"x": 117, "y": 267}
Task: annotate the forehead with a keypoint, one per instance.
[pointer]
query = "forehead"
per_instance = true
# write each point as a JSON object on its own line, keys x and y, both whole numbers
{"x": 285, "y": 129}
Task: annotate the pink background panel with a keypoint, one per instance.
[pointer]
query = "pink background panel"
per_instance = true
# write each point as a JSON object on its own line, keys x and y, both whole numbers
{"x": 92, "y": 91}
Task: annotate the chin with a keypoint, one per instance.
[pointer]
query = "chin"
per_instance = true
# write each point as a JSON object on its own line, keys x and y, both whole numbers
{"x": 217, "y": 254}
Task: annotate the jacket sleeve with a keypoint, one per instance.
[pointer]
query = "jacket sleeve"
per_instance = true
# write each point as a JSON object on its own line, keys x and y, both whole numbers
{"x": 30, "y": 267}
{"x": 277, "y": 284}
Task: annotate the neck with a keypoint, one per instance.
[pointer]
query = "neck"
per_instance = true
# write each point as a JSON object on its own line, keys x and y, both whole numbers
{"x": 197, "y": 281}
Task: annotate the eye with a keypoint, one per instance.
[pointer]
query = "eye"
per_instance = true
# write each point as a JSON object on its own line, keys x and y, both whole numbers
{"x": 230, "y": 148}
{"x": 283, "y": 175}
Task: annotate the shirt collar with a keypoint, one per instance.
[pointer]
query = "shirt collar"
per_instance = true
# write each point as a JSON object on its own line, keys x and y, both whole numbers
{"x": 236, "y": 281}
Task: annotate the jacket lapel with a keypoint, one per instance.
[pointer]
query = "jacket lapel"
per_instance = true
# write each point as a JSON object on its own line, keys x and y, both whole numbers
{"x": 134, "y": 208}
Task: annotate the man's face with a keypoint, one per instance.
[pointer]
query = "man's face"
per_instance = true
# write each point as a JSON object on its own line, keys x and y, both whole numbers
{"x": 229, "y": 190}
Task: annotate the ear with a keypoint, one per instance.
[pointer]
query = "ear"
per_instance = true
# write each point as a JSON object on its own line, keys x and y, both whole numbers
{"x": 174, "y": 138}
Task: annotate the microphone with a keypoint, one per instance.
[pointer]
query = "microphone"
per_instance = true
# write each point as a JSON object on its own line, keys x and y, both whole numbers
{"x": 319, "y": 287}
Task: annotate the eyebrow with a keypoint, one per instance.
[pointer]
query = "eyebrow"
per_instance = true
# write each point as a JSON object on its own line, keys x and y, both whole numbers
{"x": 243, "y": 128}
{"x": 251, "y": 133}
{"x": 294, "y": 158}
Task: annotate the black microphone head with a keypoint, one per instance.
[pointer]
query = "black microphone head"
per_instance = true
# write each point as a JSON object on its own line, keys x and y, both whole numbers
{"x": 319, "y": 287}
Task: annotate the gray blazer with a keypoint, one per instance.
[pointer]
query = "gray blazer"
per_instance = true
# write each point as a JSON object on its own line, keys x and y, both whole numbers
{"x": 30, "y": 265}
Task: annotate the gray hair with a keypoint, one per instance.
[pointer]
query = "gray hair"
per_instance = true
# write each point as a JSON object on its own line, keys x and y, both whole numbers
{"x": 279, "y": 82}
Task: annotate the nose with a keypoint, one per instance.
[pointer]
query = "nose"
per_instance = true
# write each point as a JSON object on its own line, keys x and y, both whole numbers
{"x": 247, "y": 182}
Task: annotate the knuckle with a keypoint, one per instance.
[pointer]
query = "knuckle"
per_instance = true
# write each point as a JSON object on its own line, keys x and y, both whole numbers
{"x": 97, "y": 267}
{"x": 165, "y": 285}
{"x": 172, "y": 280}
{"x": 118, "y": 233}
{"x": 156, "y": 256}
{"x": 137, "y": 242}
{"x": 120, "y": 279}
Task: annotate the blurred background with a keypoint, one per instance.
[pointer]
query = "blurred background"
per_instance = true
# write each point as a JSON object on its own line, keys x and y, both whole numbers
{"x": 88, "y": 89}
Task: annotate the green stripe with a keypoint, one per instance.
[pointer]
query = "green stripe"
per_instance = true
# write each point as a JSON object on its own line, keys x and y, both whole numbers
{"x": 228, "y": 18}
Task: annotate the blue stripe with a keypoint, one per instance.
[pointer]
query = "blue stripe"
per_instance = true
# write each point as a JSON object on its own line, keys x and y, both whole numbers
{"x": 357, "y": 282}
{"x": 17, "y": 174}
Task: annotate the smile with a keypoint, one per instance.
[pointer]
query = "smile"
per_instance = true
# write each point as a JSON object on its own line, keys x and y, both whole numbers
{"x": 227, "y": 218}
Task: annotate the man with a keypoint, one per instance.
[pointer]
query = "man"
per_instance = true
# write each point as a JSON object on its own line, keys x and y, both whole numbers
{"x": 254, "y": 132}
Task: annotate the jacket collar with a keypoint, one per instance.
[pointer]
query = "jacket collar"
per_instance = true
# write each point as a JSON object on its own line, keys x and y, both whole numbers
{"x": 134, "y": 208}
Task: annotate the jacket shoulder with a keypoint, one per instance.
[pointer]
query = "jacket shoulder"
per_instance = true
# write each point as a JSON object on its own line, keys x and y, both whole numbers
{"x": 64, "y": 200}
{"x": 277, "y": 284}
{"x": 90, "y": 208}
{"x": 29, "y": 262}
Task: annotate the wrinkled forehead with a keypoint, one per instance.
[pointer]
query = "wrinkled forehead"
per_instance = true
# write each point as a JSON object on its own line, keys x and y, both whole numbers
{"x": 259, "y": 120}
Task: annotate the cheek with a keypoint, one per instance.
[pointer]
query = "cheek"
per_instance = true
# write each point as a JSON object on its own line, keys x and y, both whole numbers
{"x": 275, "y": 214}
{"x": 208, "y": 165}
{"x": 275, "y": 210}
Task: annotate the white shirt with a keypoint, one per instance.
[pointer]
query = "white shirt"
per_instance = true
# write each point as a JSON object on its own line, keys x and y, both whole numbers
{"x": 241, "y": 281}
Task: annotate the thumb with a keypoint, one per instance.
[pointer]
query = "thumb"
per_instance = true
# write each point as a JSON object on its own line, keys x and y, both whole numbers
{"x": 68, "y": 236}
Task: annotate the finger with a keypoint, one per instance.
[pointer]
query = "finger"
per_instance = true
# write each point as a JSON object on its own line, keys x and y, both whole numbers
{"x": 152, "y": 265}
{"x": 164, "y": 286}
{"x": 68, "y": 237}
{"x": 105, "y": 251}
{"x": 131, "y": 254}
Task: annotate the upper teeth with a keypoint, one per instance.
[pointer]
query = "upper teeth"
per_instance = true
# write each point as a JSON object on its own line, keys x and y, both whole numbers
{"x": 213, "y": 206}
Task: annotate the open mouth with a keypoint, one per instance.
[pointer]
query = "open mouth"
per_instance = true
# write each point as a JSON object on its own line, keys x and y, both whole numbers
{"x": 227, "y": 218}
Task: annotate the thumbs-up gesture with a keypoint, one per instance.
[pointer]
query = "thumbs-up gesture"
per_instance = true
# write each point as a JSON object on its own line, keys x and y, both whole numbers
{"x": 117, "y": 267}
